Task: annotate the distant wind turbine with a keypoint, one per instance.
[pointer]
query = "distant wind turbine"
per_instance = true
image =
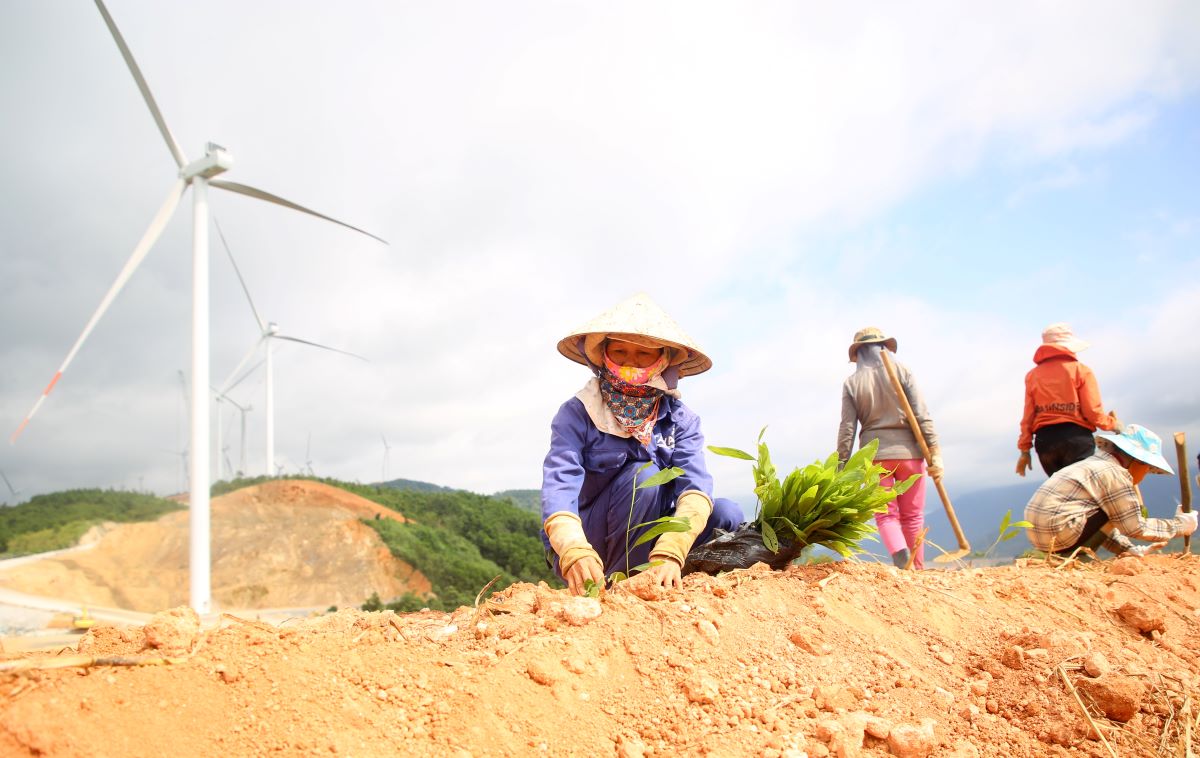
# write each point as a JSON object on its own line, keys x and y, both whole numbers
{"x": 243, "y": 410}
{"x": 268, "y": 331}
{"x": 387, "y": 452}
{"x": 308, "y": 469}
{"x": 15, "y": 492}
{"x": 200, "y": 175}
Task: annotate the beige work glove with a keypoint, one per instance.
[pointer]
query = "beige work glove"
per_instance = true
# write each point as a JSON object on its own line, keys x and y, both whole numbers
{"x": 1024, "y": 463}
{"x": 578, "y": 561}
{"x": 935, "y": 468}
{"x": 696, "y": 507}
{"x": 1185, "y": 523}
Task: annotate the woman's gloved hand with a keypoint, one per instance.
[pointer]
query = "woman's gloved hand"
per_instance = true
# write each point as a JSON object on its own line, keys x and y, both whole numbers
{"x": 1024, "y": 463}
{"x": 1141, "y": 551}
{"x": 696, "y": 508}
{"x": 1185, "y": 523}
{"x": 565, "y": 532}
{"x": 665, "y": 573}
{"x": 581, "y": 571}
{"x": 935, "y": 469}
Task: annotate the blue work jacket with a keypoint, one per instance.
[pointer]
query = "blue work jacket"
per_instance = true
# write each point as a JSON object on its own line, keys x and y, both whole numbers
{"x": 583, "y": 460}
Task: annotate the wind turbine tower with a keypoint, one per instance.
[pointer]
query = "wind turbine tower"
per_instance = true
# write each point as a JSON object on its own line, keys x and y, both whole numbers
{"x": 199, "y": 175}
{"x": 387, "y": 452}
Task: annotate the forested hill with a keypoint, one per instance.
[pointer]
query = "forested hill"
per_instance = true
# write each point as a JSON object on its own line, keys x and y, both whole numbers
{"x": 459, "y": 540}
{"x": 530, "y": 500}
{"x": 58, "y": 520}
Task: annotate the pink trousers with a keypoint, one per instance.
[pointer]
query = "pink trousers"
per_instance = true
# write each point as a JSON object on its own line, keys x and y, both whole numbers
{"x": 905, "y": 516}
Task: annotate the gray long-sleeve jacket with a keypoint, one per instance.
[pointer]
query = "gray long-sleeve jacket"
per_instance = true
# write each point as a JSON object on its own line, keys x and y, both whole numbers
{"x": 869, "y": 399}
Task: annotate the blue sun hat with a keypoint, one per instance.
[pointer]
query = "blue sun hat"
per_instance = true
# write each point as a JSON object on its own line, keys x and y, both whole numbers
{"x": 1142, "y": 444}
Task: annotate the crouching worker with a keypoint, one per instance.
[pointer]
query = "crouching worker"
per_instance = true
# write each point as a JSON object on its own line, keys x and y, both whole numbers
{"x": 627, "y": 415}
{"x": 1093, "y": 503}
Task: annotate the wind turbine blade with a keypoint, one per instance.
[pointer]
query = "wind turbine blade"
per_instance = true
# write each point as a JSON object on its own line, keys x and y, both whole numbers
{"x": 8, "y": 484}
{"x": 258, "y": 194}
{"x": 172, "y": 145}
{"x": 314, "y": 344}
{"x": 262, "y": 327}
{"x": 157, "y": 224}
{"x": 242, "y": 378}
{"x": 229, "y": 383}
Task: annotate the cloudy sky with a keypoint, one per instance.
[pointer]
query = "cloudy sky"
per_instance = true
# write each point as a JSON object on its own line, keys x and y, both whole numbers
{"x": 775, "y": 175}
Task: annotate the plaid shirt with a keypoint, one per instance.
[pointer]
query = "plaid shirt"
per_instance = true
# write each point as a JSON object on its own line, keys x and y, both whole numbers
{"x": 1064, "y": 502}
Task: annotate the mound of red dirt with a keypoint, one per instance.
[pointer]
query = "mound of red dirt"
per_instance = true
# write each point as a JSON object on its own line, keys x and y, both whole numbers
{"x": 843, "y": 659}
{"x": 281, "y": 544}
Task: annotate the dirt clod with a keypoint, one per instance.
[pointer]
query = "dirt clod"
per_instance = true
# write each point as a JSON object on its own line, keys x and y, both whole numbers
{"x": 174, "y": 632}
{"x": 1142, "y": 617}
{"x": 909, "y": 741}
{"x": 1117, "y": 697}
{"x": 1096, "y": 665}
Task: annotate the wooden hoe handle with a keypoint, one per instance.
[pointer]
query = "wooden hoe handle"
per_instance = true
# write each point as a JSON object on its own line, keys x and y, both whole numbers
{"x": 963, "y": 545}
{"x": 1185, "y": 485}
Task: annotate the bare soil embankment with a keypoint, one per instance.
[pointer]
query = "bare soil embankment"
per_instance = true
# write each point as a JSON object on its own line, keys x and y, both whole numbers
{"x": 282, "y": 544}
{"x": 845, "y": 659}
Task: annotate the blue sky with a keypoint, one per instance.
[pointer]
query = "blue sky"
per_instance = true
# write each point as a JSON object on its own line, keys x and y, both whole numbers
{"x": 776, "y": 176}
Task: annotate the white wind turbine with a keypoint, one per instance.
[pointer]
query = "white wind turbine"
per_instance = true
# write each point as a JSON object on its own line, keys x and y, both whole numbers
{"x": 15, "y": 492}
{"x": 199, "y": 174}
{"x": 387, "y": 453}
{"x": 268, "y": 331}
{"x": 243, "y": 410}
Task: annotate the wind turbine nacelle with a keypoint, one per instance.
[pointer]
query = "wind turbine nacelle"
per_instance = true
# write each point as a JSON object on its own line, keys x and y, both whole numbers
{"x": 215, "y": 161}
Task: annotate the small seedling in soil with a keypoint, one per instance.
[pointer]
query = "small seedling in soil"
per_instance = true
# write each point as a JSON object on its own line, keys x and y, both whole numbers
{"x": 657, "y": 526}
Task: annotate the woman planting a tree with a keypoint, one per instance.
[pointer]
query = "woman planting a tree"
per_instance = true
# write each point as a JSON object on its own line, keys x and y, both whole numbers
{"x": 624, "y": 427}
{"x": 869, "y": 400}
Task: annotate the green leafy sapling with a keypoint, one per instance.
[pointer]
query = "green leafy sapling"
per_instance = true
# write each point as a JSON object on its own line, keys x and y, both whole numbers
{"x": 657, "y": 526}
{"x": 1008, "y": 530}
{"x": 823, "y": 503}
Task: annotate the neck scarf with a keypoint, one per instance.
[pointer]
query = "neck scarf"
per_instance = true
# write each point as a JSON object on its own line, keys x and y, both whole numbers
{"x": 868, "y": 357}
{"x": 635, "y": 406}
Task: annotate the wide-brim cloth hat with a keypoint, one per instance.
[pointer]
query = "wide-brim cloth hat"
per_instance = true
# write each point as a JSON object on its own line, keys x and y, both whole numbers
{"x": 1060, "y": 334}
{"x": 1140, "y": 443}
{"x": 641, "y": 321}
{"x": 868, "y": 336}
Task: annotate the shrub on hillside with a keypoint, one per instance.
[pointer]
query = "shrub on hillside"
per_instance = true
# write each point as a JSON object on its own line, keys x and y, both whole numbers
{"x": 60, "y": 518}
{"x": 452, "y": 564}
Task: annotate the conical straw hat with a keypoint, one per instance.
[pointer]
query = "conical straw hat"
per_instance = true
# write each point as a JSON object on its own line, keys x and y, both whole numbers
{"x": 635, "y": 320}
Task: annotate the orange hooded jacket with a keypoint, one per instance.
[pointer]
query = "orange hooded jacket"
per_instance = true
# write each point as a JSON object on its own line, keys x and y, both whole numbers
{"x": 1061, "y": 389}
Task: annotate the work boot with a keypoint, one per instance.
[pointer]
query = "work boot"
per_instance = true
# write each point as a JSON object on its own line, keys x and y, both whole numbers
{"x": 900, "y": 558}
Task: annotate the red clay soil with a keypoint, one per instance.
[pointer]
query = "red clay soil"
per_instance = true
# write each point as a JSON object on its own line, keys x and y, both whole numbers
{"x": 848, "y": 659}
{"x": 281, "y": 544}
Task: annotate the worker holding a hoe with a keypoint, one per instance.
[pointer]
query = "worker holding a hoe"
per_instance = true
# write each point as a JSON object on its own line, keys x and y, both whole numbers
{"x": 609, "y": 444}
{"x": 869, "y": 400}
{"x": 1094, "y": 502}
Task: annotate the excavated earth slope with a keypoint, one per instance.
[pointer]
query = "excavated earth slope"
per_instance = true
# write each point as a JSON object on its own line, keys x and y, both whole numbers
{"x": 846, "y": 659}
{"x": 260, "y": 535}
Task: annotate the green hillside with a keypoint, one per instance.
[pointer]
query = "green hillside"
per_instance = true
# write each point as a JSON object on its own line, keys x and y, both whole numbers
{"x": 58, "y": 520}
{"x": 412, "y": 484}
{"x": 530, "y": 500}
{"x": 460, "y": 541}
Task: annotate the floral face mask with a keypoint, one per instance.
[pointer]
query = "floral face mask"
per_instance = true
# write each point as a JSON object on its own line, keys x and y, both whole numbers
{"x": 633, "y": 374}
